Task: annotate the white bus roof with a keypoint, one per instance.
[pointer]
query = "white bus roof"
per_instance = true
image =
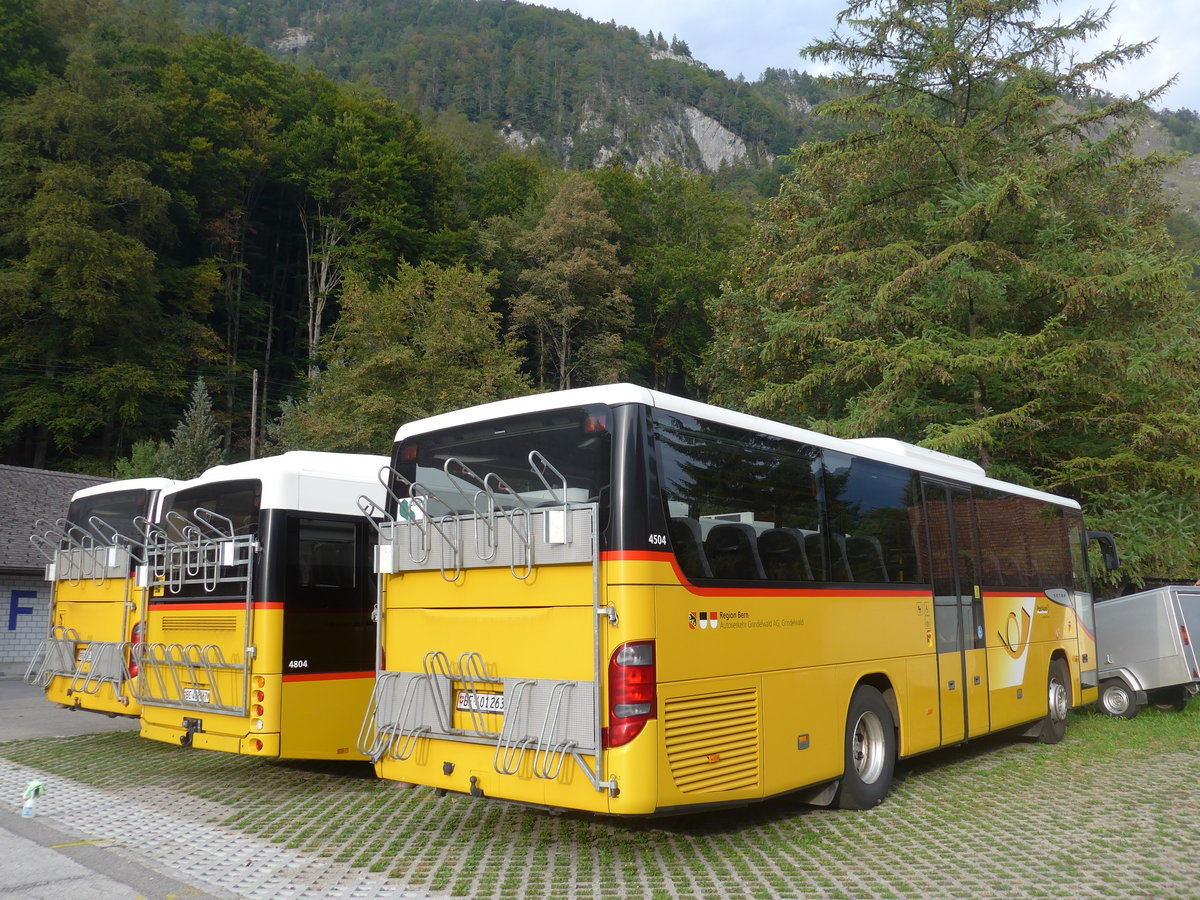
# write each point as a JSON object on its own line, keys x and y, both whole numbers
{"x": 886, "y": 450}
{"x": 127, "y": 484}
{"x": 305, "y": 480}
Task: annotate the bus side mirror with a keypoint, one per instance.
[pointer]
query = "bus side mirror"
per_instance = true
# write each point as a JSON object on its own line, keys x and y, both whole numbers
{"x": 1108, "y": 549}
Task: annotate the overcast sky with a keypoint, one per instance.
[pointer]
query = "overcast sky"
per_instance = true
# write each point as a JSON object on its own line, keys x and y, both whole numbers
{"x": 751, "y": 36}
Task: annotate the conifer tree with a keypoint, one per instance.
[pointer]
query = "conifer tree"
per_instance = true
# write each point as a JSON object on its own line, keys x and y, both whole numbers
{"x": 195, "y": 445}
{"x": 196, "y": 441}
{"x": 981, "y": 266}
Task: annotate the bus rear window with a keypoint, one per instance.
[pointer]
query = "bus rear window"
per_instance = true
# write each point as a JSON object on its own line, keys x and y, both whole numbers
{"x": 505, "y": 455}
{"x": 234, "y": 505}
{"x": 102, "y": 514}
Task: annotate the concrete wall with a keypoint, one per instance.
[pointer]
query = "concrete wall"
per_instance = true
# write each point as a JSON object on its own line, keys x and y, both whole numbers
{"x": 24, "y": 619}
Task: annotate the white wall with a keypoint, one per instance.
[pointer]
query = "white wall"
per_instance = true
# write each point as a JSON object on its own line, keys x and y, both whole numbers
{"x": 24, "y": 619}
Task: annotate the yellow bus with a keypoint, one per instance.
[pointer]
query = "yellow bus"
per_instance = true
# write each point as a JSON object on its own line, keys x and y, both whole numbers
{"x": 259, "y": 638}
{"x": 614, "y": 600}
{"x": 96, "y": 554}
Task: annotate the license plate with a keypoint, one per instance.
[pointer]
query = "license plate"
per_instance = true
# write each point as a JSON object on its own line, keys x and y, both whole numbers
{"x": 195, "y": 695}
{"x": 480, "y": 702}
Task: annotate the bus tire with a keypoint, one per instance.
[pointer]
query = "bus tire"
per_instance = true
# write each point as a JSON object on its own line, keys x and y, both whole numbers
{"x": 1117, "y": 700}
{"x": 1058, "y": 698}
{"x": 870, "y": 755}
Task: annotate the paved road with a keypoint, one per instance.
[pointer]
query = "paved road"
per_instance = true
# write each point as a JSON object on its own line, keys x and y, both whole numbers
{"x": 25, "y": 714}
{"x": 1111, "y": 813}
{"x": 41, "y": 858}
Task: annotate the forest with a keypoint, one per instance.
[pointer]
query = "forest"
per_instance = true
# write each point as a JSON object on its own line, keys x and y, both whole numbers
{"x": 961, "y": 250}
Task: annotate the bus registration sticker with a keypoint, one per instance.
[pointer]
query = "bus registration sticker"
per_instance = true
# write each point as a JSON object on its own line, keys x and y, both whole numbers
{"x": 480, "y": 702}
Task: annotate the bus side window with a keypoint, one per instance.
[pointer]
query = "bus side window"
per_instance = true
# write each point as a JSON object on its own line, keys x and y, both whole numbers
{"x": 689, "y": 551}
{"x": 865, "y": 555}
{"x": 732, "y": 551}
{"x": 873, "y": 509}
{"x": 782, "y": 553}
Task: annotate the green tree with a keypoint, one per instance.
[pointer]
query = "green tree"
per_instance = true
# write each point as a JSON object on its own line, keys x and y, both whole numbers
{"x": 982, "y": 266}
{"x": 574, "y": 303}
{"x": 678, "y": 234}
{"x": 28, "y": 51}
{"x": 81, "y": 223}
{"x": 195, "y": 444}
{"x": 196, "y": 441}
{"x": 425, "y": 341}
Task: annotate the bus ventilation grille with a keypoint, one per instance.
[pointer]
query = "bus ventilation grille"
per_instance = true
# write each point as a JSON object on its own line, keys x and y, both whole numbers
{"x": 199, "y": 623}
{"x": 712, "y": 741}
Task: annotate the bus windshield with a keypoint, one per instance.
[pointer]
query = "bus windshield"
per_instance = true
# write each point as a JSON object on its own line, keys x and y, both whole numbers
{"x": 115, "y": 512}
{"x": 504, "y": 457}
{"x": 234, "y": 505}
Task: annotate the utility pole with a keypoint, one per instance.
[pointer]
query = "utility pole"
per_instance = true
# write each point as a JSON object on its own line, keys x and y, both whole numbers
{"x": 253, "y": 412}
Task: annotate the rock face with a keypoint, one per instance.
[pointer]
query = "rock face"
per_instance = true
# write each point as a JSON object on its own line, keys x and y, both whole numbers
{"x": 694, "y": 140}
{"x": 293, "y": 39}
{"x": 717, "y": 144}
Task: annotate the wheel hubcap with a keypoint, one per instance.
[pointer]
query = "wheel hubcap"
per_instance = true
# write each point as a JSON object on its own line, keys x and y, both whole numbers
{"x": 1058, "y": 701}
{"x": 1116, "y": 701}
{"x": 869, "y": 747}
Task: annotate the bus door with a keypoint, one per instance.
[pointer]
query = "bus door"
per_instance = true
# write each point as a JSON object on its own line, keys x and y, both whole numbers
{"x": 958, "y": 612}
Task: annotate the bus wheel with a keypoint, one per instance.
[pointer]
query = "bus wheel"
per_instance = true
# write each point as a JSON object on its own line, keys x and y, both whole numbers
{"x": 1117, "y": 699}
{"x": 870, "y": 750}
{"x": 1058, "y": 694}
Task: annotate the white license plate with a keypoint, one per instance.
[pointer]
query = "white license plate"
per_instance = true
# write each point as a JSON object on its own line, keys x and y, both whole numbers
{"x": 480, "y": 702}
{"x": 195, "y": 695}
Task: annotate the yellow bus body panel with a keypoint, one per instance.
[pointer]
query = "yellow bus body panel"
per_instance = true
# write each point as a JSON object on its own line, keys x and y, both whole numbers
{"x": 1027, "y": 631}
{"x": 508, "y": 623}
{"x": 305, "y": 717}
{"x": 321, "y": 717}
{"x": 96, "y": 612}
{"x": 750, "y": 708}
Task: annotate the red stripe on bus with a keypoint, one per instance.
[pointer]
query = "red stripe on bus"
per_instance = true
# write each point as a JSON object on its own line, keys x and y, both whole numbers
{"x": 328, "y": 676}
{"x": 191, "y": 607}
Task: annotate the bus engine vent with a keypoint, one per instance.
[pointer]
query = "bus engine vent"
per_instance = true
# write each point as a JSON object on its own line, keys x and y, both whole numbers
{"x": 199, "y": 623}
{"x": 712, "y": 741}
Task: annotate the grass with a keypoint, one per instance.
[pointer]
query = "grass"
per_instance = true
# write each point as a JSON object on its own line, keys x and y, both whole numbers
{"x": 1109, "y": 812}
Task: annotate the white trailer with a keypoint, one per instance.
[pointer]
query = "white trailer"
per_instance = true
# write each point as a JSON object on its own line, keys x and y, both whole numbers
{"x": 1146, "y": 652}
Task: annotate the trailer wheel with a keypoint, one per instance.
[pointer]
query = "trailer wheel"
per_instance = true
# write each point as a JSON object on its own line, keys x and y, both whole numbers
{"x": 870, "y": 755}
{"x": 1058, "y": 703}
{"x": 1117, "y": 700}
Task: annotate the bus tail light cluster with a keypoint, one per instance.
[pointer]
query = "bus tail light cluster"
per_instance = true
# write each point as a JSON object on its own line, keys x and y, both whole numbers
{"x": 135, "y": 638}
{"x": 631, "y": 692}
{"x": 259, "y": 696}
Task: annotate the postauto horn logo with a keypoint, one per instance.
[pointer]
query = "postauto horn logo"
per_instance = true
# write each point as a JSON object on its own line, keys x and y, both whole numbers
{"x": 703, "y": 620}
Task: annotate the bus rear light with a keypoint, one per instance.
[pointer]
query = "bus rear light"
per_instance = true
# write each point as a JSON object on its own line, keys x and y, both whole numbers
{"x": 259, "y": 711}
{"x": 259, "y": 681}
{"x": 260, "y": 696}
{"x": 135, "y": 637}
{"x": 1183, "y": 634}
{"x": 632, "y": 676}
{"x": 258, "y": 745}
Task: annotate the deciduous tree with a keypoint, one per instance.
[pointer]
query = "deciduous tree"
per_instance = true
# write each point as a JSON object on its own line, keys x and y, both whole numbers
{"x": 574, "y": 303}
{"x": 425, "y": 341}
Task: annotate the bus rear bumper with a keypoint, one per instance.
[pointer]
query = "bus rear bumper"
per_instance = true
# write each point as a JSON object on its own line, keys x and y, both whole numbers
{"x": 105, "y": 700}
{"x": 192, "y": 732}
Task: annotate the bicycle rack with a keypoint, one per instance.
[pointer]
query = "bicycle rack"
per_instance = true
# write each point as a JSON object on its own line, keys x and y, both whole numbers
{"x": 544, "y": 721}
{"x": 54, "y": 657}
